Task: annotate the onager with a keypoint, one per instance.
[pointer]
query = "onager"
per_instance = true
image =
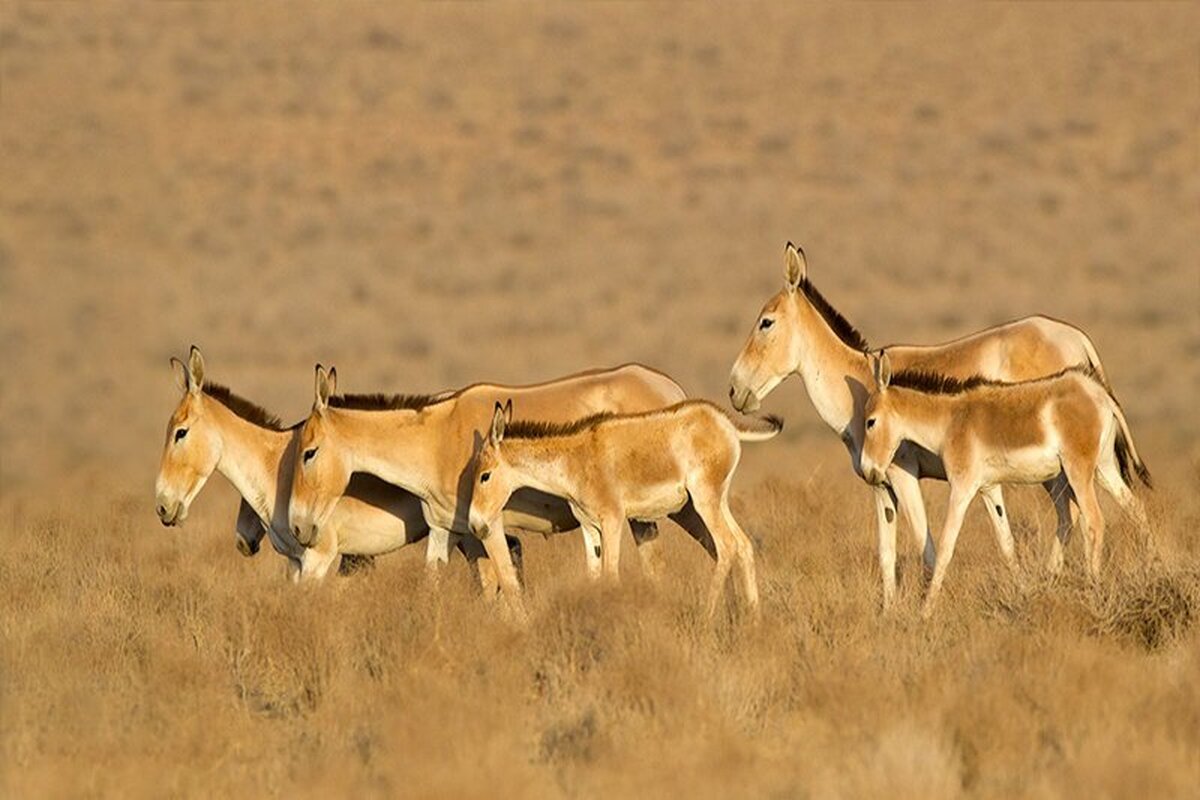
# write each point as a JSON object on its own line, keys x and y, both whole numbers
{"x": 213, "y": 429}
{"x": 988, "y": 433}
{"x": 677, "y": 462}
{"x": 799, "y": 333}
{"x": 428, "y": 445}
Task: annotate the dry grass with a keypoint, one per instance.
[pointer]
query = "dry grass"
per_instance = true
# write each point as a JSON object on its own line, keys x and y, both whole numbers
{"x": 428, "y": 197}
{"x": 162, "y": 662}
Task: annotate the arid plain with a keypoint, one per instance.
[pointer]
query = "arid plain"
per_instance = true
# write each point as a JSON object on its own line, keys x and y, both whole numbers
{"x": 431, "y": 196}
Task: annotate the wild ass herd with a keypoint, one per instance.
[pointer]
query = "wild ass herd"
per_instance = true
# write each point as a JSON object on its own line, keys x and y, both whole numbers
{"x": 606, "y": 450}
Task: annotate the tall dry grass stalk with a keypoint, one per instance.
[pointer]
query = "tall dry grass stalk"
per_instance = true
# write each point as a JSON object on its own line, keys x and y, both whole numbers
{"x": 142, "y": 661}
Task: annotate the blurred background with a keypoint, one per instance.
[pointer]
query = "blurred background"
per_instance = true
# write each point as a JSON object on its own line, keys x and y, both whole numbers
{"x": 436, "y": 195}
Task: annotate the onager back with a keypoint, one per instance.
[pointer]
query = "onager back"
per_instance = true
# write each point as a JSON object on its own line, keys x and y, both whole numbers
{"x": 677, "y": 462}
{"x": 1065, "y": 426}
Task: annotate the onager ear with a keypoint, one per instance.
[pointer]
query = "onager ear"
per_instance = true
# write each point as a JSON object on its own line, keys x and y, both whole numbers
{"x": 508, "y": 411}
{"x": 181, "y": 374}
{"x": 195, "y": 371}
{"x": 796, "y": 266}
{"x": 883, "y": 369}
{"x": 499, "y": 422}
{"x": 323, "y": 389}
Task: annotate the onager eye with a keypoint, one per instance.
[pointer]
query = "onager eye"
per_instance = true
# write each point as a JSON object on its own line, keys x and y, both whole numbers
{"x": 766, "y": 323}
{"x": 484, "y": 477}
{"x": 308, "y": 454}
{"x": 870, "y": 423}
{"x": 179, "y": 434}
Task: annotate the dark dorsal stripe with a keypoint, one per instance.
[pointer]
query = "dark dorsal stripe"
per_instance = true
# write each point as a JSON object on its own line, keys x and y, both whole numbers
{"x": 833, "y": 318}
{"x": 536, "y": 429}
{"x": 387, "y": 402}
{"x": 929, "y": 382}
{"x": 251, "y": 412}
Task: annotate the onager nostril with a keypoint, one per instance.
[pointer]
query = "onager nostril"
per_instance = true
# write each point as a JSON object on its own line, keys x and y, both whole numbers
{"x": 162, "y": 511}
{"x": 296, "y": 531}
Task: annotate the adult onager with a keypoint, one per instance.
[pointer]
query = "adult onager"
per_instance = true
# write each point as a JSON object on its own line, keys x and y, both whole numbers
{"x": 799, "y": 333}
{"x": 677, "y": 462}
{"x": 989, "y": 433}
{"x": 213, "y": 429}
{"x": 428, "y": 445}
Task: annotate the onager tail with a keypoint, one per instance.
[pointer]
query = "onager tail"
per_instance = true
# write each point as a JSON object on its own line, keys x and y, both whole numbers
{"x": 1127, "y": 453}
{"x": 1093, "y": 361}
{"x": 757, "y": 429}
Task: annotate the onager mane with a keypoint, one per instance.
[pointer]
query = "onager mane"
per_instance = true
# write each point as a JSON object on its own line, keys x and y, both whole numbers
{"x": 839, "y": 324}
{"x": 928, "y": 382}
{"x": 251, "y": 412}
{"x": 387, "y": 402}
{"x": 537, "y": 429}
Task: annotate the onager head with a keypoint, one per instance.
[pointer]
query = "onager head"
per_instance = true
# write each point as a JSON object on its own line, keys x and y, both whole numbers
{"x": 772, "y": 352}
{"x": 323, "y": 468}
{"x": 882, "y": 433}
{"x": 192, "y": 448}
{"x": 494, "y": 479}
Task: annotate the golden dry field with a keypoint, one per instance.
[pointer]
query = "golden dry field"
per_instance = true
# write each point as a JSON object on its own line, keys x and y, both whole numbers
{"x": 431, "y": 195}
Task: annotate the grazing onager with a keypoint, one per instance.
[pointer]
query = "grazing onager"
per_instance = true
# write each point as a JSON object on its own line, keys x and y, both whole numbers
{"x": 799, "y": 333}
{"x": 428, "y": 445}
{"x": 213, "y": 429}
{"x": 989, "y": 433}
{"x": 677, "y": 462}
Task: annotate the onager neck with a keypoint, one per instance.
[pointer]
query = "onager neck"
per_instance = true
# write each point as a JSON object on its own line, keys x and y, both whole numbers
{"x": 250, "y": 458}
{"x": 922, "y": 418}
{"x": 398, "y": 446}
{"x": 545, "y": 464}
{"x": 835, "y": 375}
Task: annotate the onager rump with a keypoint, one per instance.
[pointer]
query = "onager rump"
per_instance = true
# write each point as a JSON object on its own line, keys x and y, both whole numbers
{"x": 677, "y": 462}
{"x": 1064, "y": 427}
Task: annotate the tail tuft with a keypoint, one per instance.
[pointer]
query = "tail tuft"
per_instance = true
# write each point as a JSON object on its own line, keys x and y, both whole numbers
{"x": 757, "y": 429}
{"x": 1126, "y": 458}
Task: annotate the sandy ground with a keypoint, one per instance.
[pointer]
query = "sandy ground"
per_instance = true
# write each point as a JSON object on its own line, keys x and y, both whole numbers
{"x": 431, "y": 196}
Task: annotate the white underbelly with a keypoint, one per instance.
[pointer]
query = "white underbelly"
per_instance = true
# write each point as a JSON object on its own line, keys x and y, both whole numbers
{"x": 655, "y": 501}
{"x": 1022, "y": 465}
{"x": 372, "y": 540}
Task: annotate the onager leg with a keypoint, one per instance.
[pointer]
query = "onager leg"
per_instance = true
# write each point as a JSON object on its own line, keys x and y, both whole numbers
{"x": 437, "y": 549}
{"x": 593, "y": 548}
{"x": 960, "y": 498}
{"x": 1082, "y": 483}
{"x": 1109, "y": 475}
{"x": 1060, "y": 492}
{"x": 612, "y": 531}
{"x": 912, "y": 505}
{"x": 745, "y": 558}
{"x": 700, "y": 525}
{"x": 993, "y": 498}
{"x": 885, "y": 512}
{"x": 645, "y": 536}
{"x": 315, "y": 561}
{"x": 496, "y": 544}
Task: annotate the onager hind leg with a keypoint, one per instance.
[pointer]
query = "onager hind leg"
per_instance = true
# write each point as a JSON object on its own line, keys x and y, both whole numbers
{"x": 1060, "y": 492}
{"x": 1109, "y": 475}
{"x": 697, "y": 525}
{"x": 745, "y": 557}
{"x": 649, "y": 548}
{"x": 1083, "y": 485}
{"x": 993, "y": 498}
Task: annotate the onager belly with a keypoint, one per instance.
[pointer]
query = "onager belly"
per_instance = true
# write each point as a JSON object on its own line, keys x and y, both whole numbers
{"x": 1021, "y": 465}
{"x": 654, "y": 501}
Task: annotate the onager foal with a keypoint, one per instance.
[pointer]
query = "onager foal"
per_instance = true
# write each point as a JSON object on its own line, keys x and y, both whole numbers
{"x": 990, "y": 433}
{"x": 677, "y": 462}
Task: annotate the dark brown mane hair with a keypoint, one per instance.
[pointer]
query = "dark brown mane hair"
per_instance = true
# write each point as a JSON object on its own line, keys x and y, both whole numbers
{"x": 251, "y": 412}
{"x": 833, "y": 318}
{"x": 537, "y": 429}
{"x": 387, "y": 402}
{"x": 928, "y": 382}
